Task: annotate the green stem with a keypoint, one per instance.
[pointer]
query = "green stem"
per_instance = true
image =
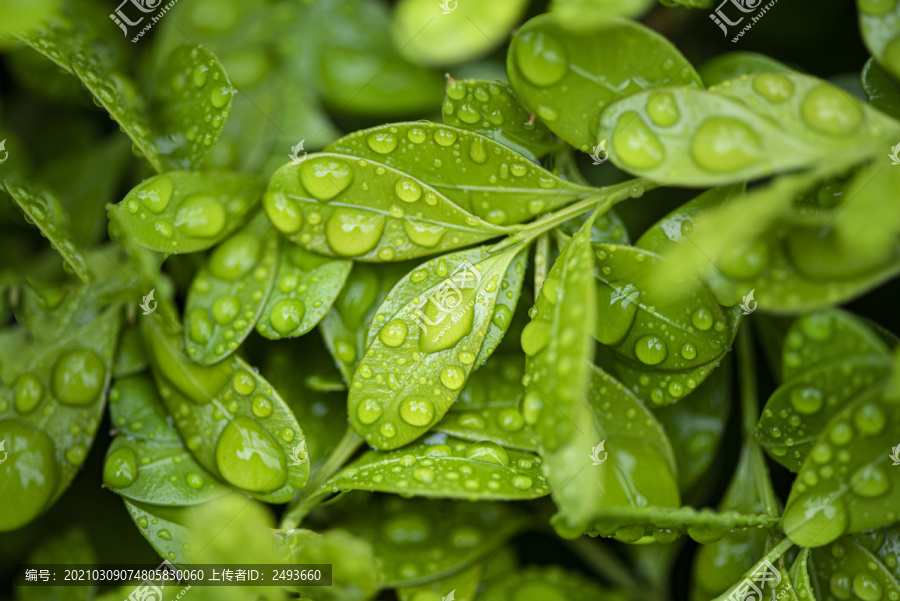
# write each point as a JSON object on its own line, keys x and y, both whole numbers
{"x": 541, "y": 260}
{"x": 750, "y": 416}
{"x": 312, "y": 494}
{"x": 602, "y": 200}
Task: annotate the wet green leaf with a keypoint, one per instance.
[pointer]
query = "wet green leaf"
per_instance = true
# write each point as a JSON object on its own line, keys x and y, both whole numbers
{"x": 879, "y": 23}
{"x": 53, "y": 399}
{"x": 488, "y": 406}
{"x": 567, "y": 70}
{"x": 147, "y": 462}
{"x": 829, "y": 359}
{"x": 412, "y": 548}
{"x": 184, "y": 211}
{"x": 734, "y": 64}
{"x": 464, "y": 585}
{"x": 338, "y": 205}
{"x": 48, "y": 214}
{"x": 346, "y": 325}
{"x": 306, "y": 286}
{"x": 800, "y": 576}
{"x": 573, "y": 9}
{"x": 355, "y": 575}
{"x": 441, "y": 320}
{"x": 546, "y": 582}
{"x": 428, "y": 35}
{"x": 881, "y": 88}
{"x": 229, "y": 293}
{"x": 194, "y": 95}
{"x": 480, "y": 175}
{"x": 491, "y": 109}
{"x": 857, "y": 492}
{"x": 72, "y": 546}
{"x": 442, "y": 467}
{"x": 232, "y": 420}
{"x": 846, "y": 568}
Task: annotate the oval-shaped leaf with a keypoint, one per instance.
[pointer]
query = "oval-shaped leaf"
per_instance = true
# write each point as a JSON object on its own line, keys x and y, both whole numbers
{"x": 846, "y": 567}
{"x": 57, "y": 390}
{"x": 186, "y": 211}
{"x": 305, "y": 287}
{"x": 491, "y": 109}
{"x": 436, "y": 325}
{"x": 442, "y": 467}
{"x": 567, "y": 70}
{"x": 859, "y": 490}
{"x": 341, "y": 206}
{"x": 879, "y": 23}
{"x": 165, "y": 528}
{"x": 232, "y": 420}
{"x": 355, "y": 575}
{"x": 881, "y": 88}
{"x": 482, "y": 176}
{"x": 734, "y": 64}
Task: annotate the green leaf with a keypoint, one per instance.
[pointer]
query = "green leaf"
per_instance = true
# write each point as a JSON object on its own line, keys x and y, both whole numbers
{"x": 696, "y": 425}
{"x": 232, "y": 420}
{"x": 48, "y": 214}
{"x": 491, "y": 109}
{"x": 131, "y": 357}
{"x": 411, "y": 547}
{"x": 859, "y": 491}
{"x": 734, "y": 64}
{"x": 164, "y": 528}
{"x": 355, "y": 575}
{"x": 480, "y": 175}
{"x": 664, "y": 524}
{"x": 882, "y": 90}
{"x": 800, "y": 576}
{"x": 546, "y": 582}
{"x": 847, "y": 568}
{"x": 464, "y": 585}
{"x": 439, "y": 321}
{"x": 567, "y": 70}
{"x": 185, "y": 211}
{"x": 558, "y": 376}
{"x": 338, "y": 205}
{"x": 829, "y": 359}
{"x": 573, "y": 9}
{"x": 429, "y": 36}
{"x": 306, "y": 286}
{"x": 488, "y": 406}
{"x": 56, "y": 399}
{"x": 358, "y": 68}
{"x": 229, "y": 293}
{"x": 442, "y": 467}
{"x": 879, "y": 23}
{"x": 147, "y": 462}
{"x": 687, "y": 3}
{"x": 194, "y": 94}
{"x": 72, "y": 546}
{"x": 344, "y": 328}
{"x": 20, "y": 15}
{"x": 773, "y": 556}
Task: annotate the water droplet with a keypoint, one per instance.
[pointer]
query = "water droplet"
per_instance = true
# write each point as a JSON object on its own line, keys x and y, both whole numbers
{"x": 650, "y": 350}
{"x": 368, "y": 411}
{"x": 831, "y": 111}
{"x": 510, "y": 420}
{"x": 388, "y": 430}
{"x": 417, "y": 411}
{"x": 164, "y": 534}
{"x": 120, "y": 469}
{"x": 477, "y": 152}
{"x": 286, "y": 315}
{"x": 78, "y": 377}
{"x": 869, "y": 481}
{"x": 156, "y": 193}
{"x": 416, "y": 135}
{"x": 688, "y": 351}
{"x": 535, "y": 336}
{"x": 540, "y": 57}
{"x": 76, "y": 454}
{"x": 352, "y": 232}
{"x": 702, "y": 319}
{"x": 869, "y": 419}
{"x": 248, "y": 457}
{"x": 325, "y": 178}
{"x": 261, "y": 406}
{"x": 219, "y": 96}
{"x": 841, "y": 433}
{"x": 663, "y": 110}
{"x": 866, "y": 587}
{"x": 453, "y": 377}
{"x": 29, "y": 392}
{"x": 200, "y": 216}
{"x": 488, "y": 452}
{"x": 282, "y": 212}
{"x": 772, "y": 87}
{"x": 394, "y": 333}
{"x": 424, "y": 475}
{"x": 635, "y": 144}
{"x": 423, "y": 234}
{"x": 810, "y": 521}
{"x": 502, "y": 316}
{"x": 725, "y": 144}
{"x": 235, "y": 257}
{"x": 225, "y": 309}
{"x": 408, "y": 190}
{"x": 445, "y": 137}
{"x": 382, "y": 142}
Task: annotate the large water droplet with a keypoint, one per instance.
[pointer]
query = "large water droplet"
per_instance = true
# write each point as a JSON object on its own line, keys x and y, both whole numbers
{"x": 453, "y": 377}
{"x": 325, "y": 178}
{"x": 488, "y": 452}
{"x": 394, "y": 333}
{"x": 774, "y": 88}
{"x": 869, "y": 481}
{"x": 831, "y": 111}
{"x": 248, "y": 457}
{"x": 352, "y": 232}
{"x": 535, "y": 336}
{"x": 812, "y": 521}
{"x": 120, "y": 469}
{"x": 663, "y": 110}
{"x": 635, "y": 144}
{"x": 282, "y": 212}
{"x": 29, "y": 392}
{"x": 725, "y": 144}
{"x": 807, "y": 400}
{"x": 156, "y": 193}
{"x": 368, "y": 411}
{"x": 540, "y": 57}
{"x": 416, "y": 411}
{"x": 382, "y": 142}
{"x": 286, "y": 315}
{"x": 78, "y": 377}
{"x": 234, "y": 257}
{"x": 200, "y": 216}
{"x": 225, "y": 309}
{"x": 866, "y": 587}
{"x": 29, "y": 474}
{"x": 650, "y": 350}
{"x": 426, "y": 235}
{"x": 617, "y": 305}
{"x": 408, "y": 190}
